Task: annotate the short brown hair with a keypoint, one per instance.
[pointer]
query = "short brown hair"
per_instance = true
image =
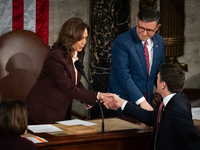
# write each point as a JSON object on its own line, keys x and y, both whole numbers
{"x": 13, "y": 117}
{"x": 71, "y": 32}
{"x": 173, "y": 76}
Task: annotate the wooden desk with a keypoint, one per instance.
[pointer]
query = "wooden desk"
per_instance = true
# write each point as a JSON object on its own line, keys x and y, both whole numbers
{"x": 117, "y": 140}
{"x": 134, "y": 139}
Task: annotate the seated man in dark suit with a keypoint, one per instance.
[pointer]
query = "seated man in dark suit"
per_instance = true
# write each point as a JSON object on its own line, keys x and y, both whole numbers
{"x": 174, "y": 127}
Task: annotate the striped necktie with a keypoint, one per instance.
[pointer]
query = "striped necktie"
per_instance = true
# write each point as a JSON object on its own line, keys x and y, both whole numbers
{"x": 158, "y": 121}
{"x": 146, "y": 55}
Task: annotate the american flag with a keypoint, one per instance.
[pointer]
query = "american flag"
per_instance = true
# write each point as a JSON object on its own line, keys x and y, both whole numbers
{"x": 30, "y": 15}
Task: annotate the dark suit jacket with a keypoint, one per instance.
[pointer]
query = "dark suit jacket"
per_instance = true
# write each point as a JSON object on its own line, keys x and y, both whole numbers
{"x": 51, "y": 96}
{"x": 128, "y": 77}
{"x": 176, "y": 131}
{"x": 15, "y": 142}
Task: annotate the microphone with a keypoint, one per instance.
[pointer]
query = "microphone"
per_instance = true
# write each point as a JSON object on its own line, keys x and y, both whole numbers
{"x": 79, "y": 66}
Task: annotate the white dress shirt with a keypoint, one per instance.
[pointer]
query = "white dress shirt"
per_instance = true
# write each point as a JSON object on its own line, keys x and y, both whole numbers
{"x": 74, "y": 58}
{"x": 150, "y": 50}
{"x": 165, "y": 100}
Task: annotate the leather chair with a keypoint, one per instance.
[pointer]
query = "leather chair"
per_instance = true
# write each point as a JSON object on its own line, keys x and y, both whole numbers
{"x": 22, "y": 54}
{"x": 193, "y": 95}
{"x": 156, "y": 100}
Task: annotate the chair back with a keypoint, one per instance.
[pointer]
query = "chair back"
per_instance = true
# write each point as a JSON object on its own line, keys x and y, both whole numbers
{"x": 22, "y": 53}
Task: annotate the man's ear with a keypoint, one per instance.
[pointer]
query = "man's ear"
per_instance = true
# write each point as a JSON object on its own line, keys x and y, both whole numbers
{"x": 158, "y": 26}
{"x": 136, "y": 20}
{"x": 164, "y": 85}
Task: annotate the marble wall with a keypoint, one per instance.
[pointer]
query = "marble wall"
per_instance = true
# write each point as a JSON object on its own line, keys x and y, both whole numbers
{"x": 108, "y": 20}
{"x": 192, "y": 43}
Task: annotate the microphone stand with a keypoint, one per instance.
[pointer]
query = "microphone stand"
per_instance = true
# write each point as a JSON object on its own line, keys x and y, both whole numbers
{"x": 79, "y": 66}
{"x": 102, "y": 116}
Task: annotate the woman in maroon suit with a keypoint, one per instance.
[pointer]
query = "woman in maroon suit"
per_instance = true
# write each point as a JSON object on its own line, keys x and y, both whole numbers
{"x": 50, "y": 99}
{"x": 13, "y": 123}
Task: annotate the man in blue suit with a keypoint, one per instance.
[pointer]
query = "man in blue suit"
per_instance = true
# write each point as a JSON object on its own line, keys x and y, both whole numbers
{"x": 129, "y": 77}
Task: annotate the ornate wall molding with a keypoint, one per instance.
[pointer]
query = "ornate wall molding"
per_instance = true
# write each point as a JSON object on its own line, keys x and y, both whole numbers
{"x": 172, "y": 29}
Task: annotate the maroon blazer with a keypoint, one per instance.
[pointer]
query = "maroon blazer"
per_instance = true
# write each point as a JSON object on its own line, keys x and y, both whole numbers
{"x": 51, "y": 97}
{"x": 11, "y": 142}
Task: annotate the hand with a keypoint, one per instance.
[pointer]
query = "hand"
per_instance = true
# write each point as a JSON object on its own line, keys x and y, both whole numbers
{"x": 143, "y": 125}
{"x": 108, "y": 100}
{"x": 119, "y": 100}
{"x": 145, "y": 105}
{"x": 87, "y": 106}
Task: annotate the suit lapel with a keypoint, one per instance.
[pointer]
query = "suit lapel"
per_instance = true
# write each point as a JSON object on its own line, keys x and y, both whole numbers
{"x": 79, "y": 77}
{"x": 140, "y": 51}
{"x": 155, "y": 54}
{"x": 70, "y": 66}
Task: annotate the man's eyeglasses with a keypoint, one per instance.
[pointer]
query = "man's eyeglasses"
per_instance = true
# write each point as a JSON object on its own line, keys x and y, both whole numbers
{"x": 149, "y": 31}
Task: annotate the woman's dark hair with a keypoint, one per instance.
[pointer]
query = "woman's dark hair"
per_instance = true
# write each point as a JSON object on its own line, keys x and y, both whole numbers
{"x": 13, "y": 117}
{"x": 173, "y": 76}
{"x": 71, "y": 32}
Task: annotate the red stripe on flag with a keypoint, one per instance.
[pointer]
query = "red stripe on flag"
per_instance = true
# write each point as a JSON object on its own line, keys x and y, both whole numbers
{"x": 42, "y": 19}
{"x": 18, "y": 15}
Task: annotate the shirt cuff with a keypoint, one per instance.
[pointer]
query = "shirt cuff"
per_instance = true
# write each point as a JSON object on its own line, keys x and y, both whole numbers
{"x": 98, "y": 95}
{"x": 124, "y": 104}
{"x": 140, "y": 100}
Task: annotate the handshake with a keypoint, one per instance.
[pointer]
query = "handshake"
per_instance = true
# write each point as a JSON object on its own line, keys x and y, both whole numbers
{"x": 113, "y": 101}
{"x": 110, "y": 101}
